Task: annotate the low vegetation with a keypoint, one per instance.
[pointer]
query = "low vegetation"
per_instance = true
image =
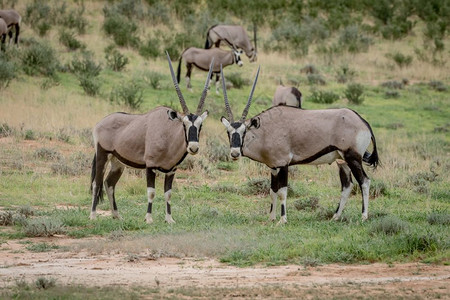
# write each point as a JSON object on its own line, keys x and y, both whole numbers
{"x": 51, "y": 97}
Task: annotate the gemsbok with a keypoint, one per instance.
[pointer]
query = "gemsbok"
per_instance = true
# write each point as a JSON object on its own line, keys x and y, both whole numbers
{"x": 3, "y": 32}
{"x": 286, "y": 95}
{"x": 12, "y": 19}
{"x": 201, "y": 58}
{"x": 283, "y": 136}
{"x": 234, "y": 36}
{"x": 157, "y": 140}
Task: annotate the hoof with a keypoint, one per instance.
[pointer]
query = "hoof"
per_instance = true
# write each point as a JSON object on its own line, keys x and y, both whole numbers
{"x": 93, "y": 215}
{"x": 148, "y": 219}
{"x": 364, "y": 217}
{"x": 169, "y": 219}
{"x": 282, "y": 221}
{"x": 335, "y": 217}
{"x": 115, "y": 215}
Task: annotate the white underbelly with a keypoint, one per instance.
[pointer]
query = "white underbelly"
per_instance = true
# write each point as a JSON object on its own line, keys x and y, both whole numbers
{"x": 326, "y": 159}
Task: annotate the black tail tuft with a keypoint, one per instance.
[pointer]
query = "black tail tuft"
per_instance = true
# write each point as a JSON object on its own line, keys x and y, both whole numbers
{"x": 179, "y": 69}
{"x": 93, "y": 173}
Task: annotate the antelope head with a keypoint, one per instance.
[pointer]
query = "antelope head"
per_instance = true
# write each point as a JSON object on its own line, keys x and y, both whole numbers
{"x": 236, "y": 129}
{"x": 192, "y": 122}
{"x": 237, "y": 57}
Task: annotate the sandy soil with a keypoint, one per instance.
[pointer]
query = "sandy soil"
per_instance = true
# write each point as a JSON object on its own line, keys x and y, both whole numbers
{"x": 82, "y": 267}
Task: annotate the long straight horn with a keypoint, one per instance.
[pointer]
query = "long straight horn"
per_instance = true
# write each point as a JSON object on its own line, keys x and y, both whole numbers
{"x": 254, "y": 36}
{"x": 205, "y": 90}
{"x": 225, "y": 96}
{"x": 177, "y": 88}
{"x": 247, "y": 107}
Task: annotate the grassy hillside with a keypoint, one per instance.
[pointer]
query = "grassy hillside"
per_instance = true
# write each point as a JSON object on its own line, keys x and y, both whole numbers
{"x": 51, "y": 97}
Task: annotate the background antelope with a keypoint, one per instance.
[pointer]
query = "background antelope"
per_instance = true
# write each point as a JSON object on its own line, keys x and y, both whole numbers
{"x": 286, "y": 95}
{"x": 201, "y": 58}
{"x": 283, "y": 136}
{"x": 234, "y": 36}
{"x": 12, "y": 20}
{"x": 157, "y": 140}
{"x": 3, "y": 32}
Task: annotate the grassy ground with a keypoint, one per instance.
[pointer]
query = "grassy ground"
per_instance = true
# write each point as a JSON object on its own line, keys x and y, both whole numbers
{"x": 221, "y": 207}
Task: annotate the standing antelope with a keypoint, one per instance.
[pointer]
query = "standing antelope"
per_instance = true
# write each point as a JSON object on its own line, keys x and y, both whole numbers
{"x": 3, "y": 32}
{"x": 201, "y": 58}
{"x": 234, "y": 36}
{"x": 285, "y": 95}
{"x": 157, "y": 140}
{"x": 283, "y": 136}
{"x": 12, "y": 19}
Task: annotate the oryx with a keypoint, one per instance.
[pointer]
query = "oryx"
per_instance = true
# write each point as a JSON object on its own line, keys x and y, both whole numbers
{"x": 234, "y": 36}
{"x": 201, "y": 58}
{"x": 286, "y": 95}
{"x": 283, "y": 136}
{"x": 157, "y": 140}
{"x": 3, "y": 32}
{"x": 12, "y": 19}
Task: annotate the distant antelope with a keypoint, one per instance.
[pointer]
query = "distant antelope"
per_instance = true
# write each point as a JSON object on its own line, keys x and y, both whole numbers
{"x": 12, "y": 19}
{"x": 157, "y": 140}
{"x": 234, "y": 36}
{"x": 283, "y": 136}
{"x": 286, "y": 95}
{"x": 3, "y": 32}
{"x": 201, "y": 58}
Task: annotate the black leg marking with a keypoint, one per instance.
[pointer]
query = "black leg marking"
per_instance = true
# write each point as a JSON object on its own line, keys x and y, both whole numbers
{"x": 271, "y": 207}
{"x": 354, "y": 161}
{"x": 150, "y": 175}
{"x": 101, "y": 160}
{"x": 283, "y": 210}
{"x": 283, "y": 177}
{"x": 149, "y": 208}
{"x": 168, "y": 208}
{"x": 111, "y": 181}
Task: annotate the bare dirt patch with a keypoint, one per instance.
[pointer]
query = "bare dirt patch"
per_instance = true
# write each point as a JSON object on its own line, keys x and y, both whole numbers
{"x": 71, "y": 267}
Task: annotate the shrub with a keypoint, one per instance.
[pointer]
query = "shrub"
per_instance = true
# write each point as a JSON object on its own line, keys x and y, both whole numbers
{"x": 420, "y": 242}
{"x": 439, "y": 218}
{"x": 39, "y": 58}
{"x": 43, "y": 227}
{"x": 5, "y": 130}
{"x": 6, "y": 218}
{"x": 47, "y": 154}
{"x": 311, "y": 203}
{"x": 353, "y": 40}
{"x": 75, "y": 19}
{"x": 7, "y": 72}
{"x": 309, "y": 69}
{"x": 437, "y": 86}
{"x": 217, "y": 150}
{"x": 45, "y": 283}
{"x": 114, "y": 59}
{"x": 257, "y": 186}
{"x": 236, "y": 79}
{"x": 29, "y": 134}
{"x": 344, "y": 74}
{"x": 354, "y": 93}
{"x": 393, "y": 84}
{"x": 400, "y": 59}
{"x": 36, "y": 14}
{"x": 389, "y": 225}
{"x": 121, "y": 29}
{"x": 315, "y": 79}
{"x": 90, "y": 85}
{"x": 391, "y": 94}
{"x": 130, "y": 94}
{"x": 68, "y": 39}
{"x": 150, "y": 48}
{"x": 325, "y": 97}
{"x": 85, "y": 65}
{"x": 153, "y": 78}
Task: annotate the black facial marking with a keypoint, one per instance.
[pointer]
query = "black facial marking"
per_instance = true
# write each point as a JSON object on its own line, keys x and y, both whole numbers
{"x": 236, "y": 125}
{"x": 192, "y": 134}
{"x": 149, "y": 208}
{"x": 235, "y": 140}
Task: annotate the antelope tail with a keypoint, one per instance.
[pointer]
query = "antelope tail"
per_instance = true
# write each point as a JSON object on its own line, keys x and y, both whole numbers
{"x": 372, "y": 159}
{"x": 207, "y": 43}
{"x": 93, "y": 173}
{"x": 179, "y": 69}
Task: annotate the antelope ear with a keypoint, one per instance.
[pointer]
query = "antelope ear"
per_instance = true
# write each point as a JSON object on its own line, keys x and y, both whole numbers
{"x": 173, "y": 115}
{"x": 204, "y": 115}
{"x": 255, "y": 122}
{"x": 225, "y": 122}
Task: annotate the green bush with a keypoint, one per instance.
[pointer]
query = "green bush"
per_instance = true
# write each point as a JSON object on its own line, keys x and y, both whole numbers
{"x": 150, "y": 48}
{"x": 389, "y": 225}
{"x": 311, "y": 203}
{"x": 45, "y": 283}
{"x": 154, "y": 79}
{"x": 437, "y": 85}
{"x": 345, "y": 74}
{"x": 91, "y": 85}
{"x": 316, "y": 79}
{"x": 324, "y": 97}
{"x": 85, "y": 65}
{"x": 130, "y": 94}
{"x": 43, "y": 226}
{"x": 439, "y": 218}
{"x": 353, "y": 40}
{"x": 39, "y": 58}
{"x": 114, "y": 59}
{"x": 7, "y": 72}
{"x": 37, "y": 15}
{"x": 237, "y": 80}
{"x": 68, "y": 39}
{"x": 354, "y": 93}
{"x": 217, "y": 150}
{"x": 5, "y": 130}
{"x": 121, "y": 29}
{"x": 257, "y": 186}
{"x": 400, "y": 59}
{"x": 393, "y": 84}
